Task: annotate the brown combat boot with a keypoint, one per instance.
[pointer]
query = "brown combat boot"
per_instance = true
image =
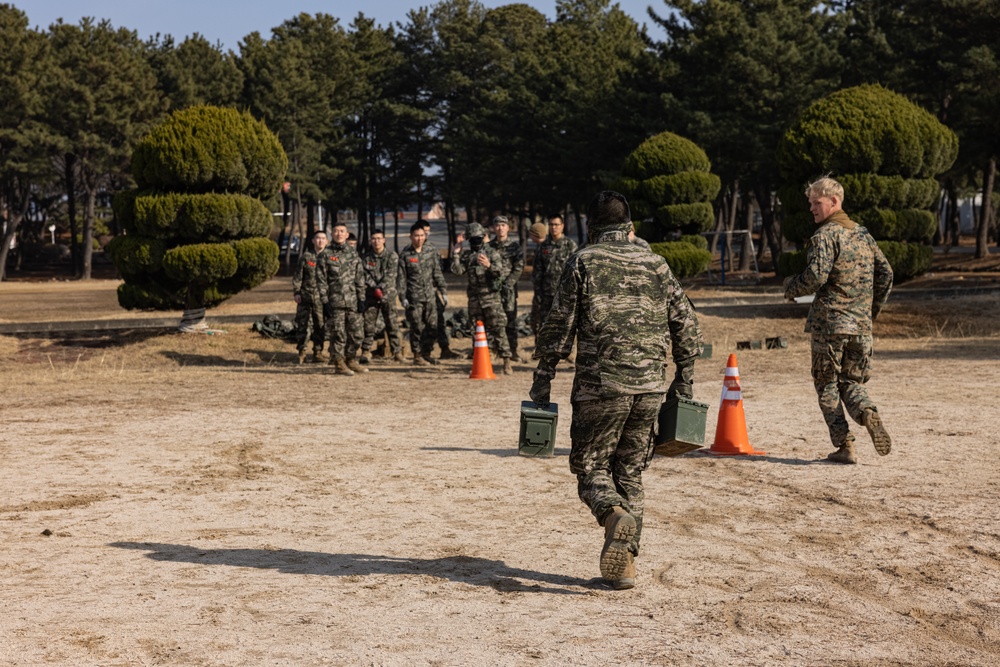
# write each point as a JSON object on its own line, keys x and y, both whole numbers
{"x": 627, "y": 579}
{"x": 355, "y": 366}
{"x": 619, "y": 528}
{"x": 880, "y": 437}
{"x": 398, "y": 357}
{"x": 340, "y": 366}
{"x": 507, "y": 368}
{"x": 843, "y": 454}
{"x": 302, "y": 356}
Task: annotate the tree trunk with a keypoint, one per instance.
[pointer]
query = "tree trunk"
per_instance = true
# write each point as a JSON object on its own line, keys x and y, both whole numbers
{"x": 985, "y": 211}
{"x": 70, "y": 168}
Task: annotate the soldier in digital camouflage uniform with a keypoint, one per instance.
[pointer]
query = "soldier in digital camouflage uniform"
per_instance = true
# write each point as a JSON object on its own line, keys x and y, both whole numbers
{"x": 486, "y": 268}
{"x": 309, "y": 323}
{"x": 342, "y": 288}
{"x": 440, "y": 302}
{"x": 381, "y": 267}
{"x": 548, "y": 265}
{"x": 851, "y": 279}
{"x": 510, "y": 248}
{"x": 625, "y": 309}
{"x": 419, "y": 282}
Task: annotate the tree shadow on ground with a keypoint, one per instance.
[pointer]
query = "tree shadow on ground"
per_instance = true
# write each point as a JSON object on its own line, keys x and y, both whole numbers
{"x": 462, "y": 569}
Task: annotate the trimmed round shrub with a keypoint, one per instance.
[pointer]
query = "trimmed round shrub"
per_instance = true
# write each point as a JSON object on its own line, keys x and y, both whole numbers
{"x": 665, "y": 153}
{"x": 684, "y": 259}
{"x": 683, "y": 188}
{"x": 867, "y": 129}
{"x": 200, "y": 263}
{"x": 691, "y": 218}
{"x": 210, "y": 149}
{"x": 198, "y": 217}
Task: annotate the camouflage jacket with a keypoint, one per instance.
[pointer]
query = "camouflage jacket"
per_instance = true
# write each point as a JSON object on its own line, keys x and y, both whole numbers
{"x": 420, "y": 274}
{"x": 514, "y": 255}
{"x": 305, "y": 282}
{"x": 849, "y": 275}
{"x": 381, "y": 271}
{"x": 483, "y": 282}
{"x": 624, "y": 308}
{"x": 341, "y": 280}
{"x": 549, "y": 261}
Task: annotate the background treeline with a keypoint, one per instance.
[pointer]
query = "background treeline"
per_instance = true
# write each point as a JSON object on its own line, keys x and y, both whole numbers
{"x": 484, "y": 110}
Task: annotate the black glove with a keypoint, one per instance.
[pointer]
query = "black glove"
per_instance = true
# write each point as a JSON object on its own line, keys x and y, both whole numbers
{"x": 328, "y": 310}
{"x": 679, "y": 388}
{"x": 361, "y": 305}
{"x": 541, "y": 387}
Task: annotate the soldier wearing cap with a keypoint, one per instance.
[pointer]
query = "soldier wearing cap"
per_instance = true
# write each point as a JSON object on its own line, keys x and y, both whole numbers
{"x": 511, "y": 249}
{"x": 486, "y": 268}
{"x": 309, "y": 323}
{"x": 548, "y": 266}
{"x": 625, "y": 309}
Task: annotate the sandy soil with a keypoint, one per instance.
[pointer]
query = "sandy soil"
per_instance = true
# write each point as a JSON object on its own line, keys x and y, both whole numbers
{"x": 200, "y": 500}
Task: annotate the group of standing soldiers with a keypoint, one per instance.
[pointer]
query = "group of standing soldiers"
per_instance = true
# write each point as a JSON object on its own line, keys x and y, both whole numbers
{"x": 341, "y": 294}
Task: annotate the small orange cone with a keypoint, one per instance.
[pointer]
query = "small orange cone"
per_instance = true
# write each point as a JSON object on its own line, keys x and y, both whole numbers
{"x": 731, "y": 431}
{"x": 482, "y": 367}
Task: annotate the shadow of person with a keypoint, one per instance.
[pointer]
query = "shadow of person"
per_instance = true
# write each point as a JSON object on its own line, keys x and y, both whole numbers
{"x": 465, "y": 569}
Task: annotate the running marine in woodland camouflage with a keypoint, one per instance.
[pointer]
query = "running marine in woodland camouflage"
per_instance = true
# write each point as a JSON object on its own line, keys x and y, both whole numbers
{"x": 625, "y": 310}
{"x": 851, "y": 279}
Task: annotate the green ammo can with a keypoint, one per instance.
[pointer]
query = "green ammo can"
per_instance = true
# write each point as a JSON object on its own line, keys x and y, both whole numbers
{"x": 538, "y": 429}
{"x": 681, "y": 426}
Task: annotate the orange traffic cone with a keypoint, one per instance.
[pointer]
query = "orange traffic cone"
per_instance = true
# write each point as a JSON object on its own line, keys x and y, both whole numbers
{"x": 482, "y": 367}
{"x": 731, "y": 431}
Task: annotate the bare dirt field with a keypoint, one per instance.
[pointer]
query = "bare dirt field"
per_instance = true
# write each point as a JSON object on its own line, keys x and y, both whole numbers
{"x": 174, "y": 499}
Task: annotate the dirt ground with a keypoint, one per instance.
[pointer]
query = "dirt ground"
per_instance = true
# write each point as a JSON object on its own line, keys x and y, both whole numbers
{"x": 174, "y": 499}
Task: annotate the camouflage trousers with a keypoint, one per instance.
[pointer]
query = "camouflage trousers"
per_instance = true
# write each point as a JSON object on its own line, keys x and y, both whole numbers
{"x": 611, "y": 440}
{"x": 441, "y": 332}
{"x": 490, "y": 311}
{"x": 541, "y": 304}
{"x": 841, "y": 365}
{"x": 422, "y": 318}
{"x": 509, "y": 302}
{"x": 309, "y": 324}
{"x": 386, "y": 308}
{"x": 346, "y": 331}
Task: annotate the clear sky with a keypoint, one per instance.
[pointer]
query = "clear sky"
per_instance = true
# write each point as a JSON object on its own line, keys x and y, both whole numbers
{"x": 228, "y": 21}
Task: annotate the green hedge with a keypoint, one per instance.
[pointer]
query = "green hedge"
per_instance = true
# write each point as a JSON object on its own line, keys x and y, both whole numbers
{"x": 210, "y": 149}
{"x": 907, "y": 225}
{"x": 665, "y": 153}
{"x": 200, "y": 263}
{"x": 686, "y": 187}
{"x": 690, "y": 218}
{"x": 907, "y": 260}
{"x": 863, "y": 191}
{"x": 867, "y": 129}
{"x": 207, "y": 217}
{"x": 685, "y": 260}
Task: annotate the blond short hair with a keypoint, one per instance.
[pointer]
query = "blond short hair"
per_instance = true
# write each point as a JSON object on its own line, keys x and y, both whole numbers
{"x": 825, "y": 187}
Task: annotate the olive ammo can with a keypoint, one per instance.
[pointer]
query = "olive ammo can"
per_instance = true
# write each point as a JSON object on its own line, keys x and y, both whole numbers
{"x": 538, "y": 429}
{"x": 681, "y": 426}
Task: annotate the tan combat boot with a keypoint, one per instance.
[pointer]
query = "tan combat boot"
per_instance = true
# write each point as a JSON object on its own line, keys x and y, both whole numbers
{"x": 843, "y": 454}
{"x": 619, "y": 528}
{"x": 880, "y": 437}
{"x": 355, "y": 366}
{"x": 340, "y": 367}
{"x": 302, "y": 356}
{"x": 507, "y": 368}
{"x": 627, "y": 579}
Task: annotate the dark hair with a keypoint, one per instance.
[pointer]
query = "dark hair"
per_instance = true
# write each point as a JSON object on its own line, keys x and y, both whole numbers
{"x": 608, "y": 209}
{"x": 419, "y": 224}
